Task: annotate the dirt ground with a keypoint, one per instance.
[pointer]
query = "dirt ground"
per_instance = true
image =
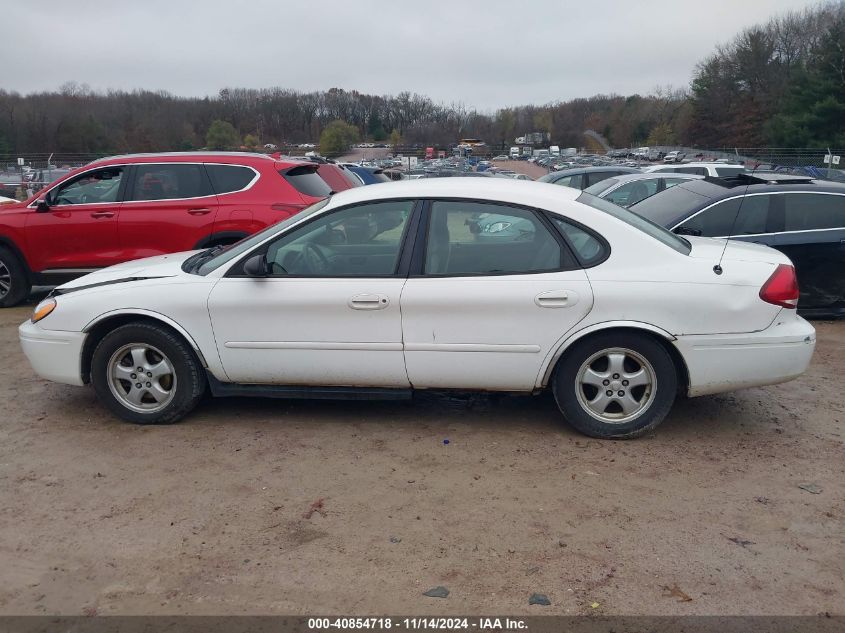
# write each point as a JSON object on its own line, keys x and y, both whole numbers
{"x": 210, "y": 516}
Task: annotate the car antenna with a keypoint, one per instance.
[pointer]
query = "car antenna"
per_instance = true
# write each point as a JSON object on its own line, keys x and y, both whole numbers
{"x": 718, "y": 267}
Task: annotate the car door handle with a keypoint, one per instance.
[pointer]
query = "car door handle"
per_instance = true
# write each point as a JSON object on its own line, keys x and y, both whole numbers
{"x": 368, "y": 302}
{"x": 102, "y": 214}
{"x": 556, "y": 299}
{"x": 202, "y": 211}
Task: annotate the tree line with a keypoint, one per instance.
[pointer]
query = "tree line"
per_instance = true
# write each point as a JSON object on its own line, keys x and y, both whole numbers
{"x": 779, "y": 83}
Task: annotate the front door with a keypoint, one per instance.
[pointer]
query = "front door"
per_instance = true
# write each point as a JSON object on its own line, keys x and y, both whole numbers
{"x": 497, "y": 289}
{"x": 79, "y": 231}
{"x": 328, "y": 313}
{"x": 169, "y": 207}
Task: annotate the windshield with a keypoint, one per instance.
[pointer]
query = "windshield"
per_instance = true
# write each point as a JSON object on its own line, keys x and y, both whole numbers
{"x": 668, "y": 207}
{"x": 601, "y": 186}
{"x": 238, "y": 248}
{"x": 655, "y": 231}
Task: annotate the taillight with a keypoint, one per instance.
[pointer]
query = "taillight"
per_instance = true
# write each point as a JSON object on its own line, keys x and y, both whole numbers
{"x": 781, "y": 288}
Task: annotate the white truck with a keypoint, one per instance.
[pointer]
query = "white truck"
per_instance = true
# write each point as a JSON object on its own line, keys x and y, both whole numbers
{"x": 514, "y": 152}
{"x": 554, "y": 151}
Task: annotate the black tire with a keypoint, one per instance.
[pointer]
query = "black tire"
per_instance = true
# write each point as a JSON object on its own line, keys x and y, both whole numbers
{"x": 187, "y": 379}
{"x": 13, "y": 273}
{"x": 655, "y": 399}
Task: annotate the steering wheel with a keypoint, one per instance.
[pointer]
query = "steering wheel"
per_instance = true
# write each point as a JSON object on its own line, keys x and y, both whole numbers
{"x": 314, "y": 259}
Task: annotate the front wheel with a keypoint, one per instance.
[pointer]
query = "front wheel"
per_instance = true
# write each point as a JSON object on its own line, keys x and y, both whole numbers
{"x": 14, "y": 282}
{"x": 146, "y": 374}
{"x": 615, "y": 385}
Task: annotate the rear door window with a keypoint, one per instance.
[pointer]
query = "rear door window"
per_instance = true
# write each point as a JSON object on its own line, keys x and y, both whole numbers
{"x": 738, "y": 216}
{"x": 171, "y": 181}
{"x": 590, "y": 249}
{"x": 813, "y": 211}
{"x": 230, "y": 178}
{"x": 306, "y": 180}
{"x": 475, "y": 238}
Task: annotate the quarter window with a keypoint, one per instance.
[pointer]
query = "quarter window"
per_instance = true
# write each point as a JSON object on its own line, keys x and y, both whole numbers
{"x": 590, "y": 250}
{"x": 475, "y": 238}
{"x": 306, "y": 180}
{"x": 169, "y": 182}
{"x": 739, "y": 216}
{"x": 229, "y": 178}
{"x": 813, "y": 211}
{"x": 93, "y": 187}
{"x": 360, "y": 241}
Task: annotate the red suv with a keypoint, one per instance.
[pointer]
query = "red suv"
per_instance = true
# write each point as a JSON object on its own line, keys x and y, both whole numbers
{"x": 127, "y": 207}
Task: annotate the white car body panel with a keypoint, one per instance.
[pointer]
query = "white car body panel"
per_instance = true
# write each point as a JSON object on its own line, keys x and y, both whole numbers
{"x": 307, "y": 331}
{"x": 486, "y": 332}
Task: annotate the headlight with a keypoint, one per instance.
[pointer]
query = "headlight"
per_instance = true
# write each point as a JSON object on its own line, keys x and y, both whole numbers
{"x": 43, "y": 309}
{"x": 496, "y": 227}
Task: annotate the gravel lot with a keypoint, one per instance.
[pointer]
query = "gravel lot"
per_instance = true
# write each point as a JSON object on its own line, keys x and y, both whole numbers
{"x": 209, "y": 516}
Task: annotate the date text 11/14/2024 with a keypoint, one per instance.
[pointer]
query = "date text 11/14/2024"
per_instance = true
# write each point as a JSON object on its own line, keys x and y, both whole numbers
{"x": 417, "y": 624}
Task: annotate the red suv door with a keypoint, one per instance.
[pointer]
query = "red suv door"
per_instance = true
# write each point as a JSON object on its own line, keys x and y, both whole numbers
{"x": 79, "y": 230}
{"x": 168, "y": 208}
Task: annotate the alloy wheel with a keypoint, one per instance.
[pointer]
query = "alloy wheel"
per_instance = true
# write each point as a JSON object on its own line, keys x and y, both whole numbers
{"x": 615, "y": 385}
{"x": 141, "y": 377}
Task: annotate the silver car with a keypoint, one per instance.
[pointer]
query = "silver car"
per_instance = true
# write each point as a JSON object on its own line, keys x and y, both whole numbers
{"x": 629, "y": 189}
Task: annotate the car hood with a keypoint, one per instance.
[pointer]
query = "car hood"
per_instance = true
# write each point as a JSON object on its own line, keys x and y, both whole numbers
{"x": 151, "y": 267}
{"x": 711, "y": 248}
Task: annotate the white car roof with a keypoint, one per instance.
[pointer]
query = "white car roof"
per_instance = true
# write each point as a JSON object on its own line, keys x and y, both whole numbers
{"x": 535, "y": 194}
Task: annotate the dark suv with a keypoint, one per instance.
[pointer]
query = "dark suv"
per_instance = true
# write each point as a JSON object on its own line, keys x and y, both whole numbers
{"x": 802, "y": 217}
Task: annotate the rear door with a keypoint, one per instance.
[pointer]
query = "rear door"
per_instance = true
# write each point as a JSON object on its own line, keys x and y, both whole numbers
{"x": 813, "y": 238}
{"x": 169, "y": 207}
{"x": 494, "y": 289}
{"x": 79, "y": 231}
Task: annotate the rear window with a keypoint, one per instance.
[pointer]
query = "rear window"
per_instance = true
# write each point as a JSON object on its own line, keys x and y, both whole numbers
{"x": 668, "y": 207}
{"x": 337, "y": 177}
{"x": 657, "y": 232}
{"x": 229, "y": 178}
{"x": 306, "y": 180}
{"x": 813, "y": 211}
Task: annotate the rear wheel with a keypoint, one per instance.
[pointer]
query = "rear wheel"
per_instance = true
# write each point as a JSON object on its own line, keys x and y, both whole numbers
{"x": 14, "y": 282}
{"x": 147, "y": 374}
{"x": 615, "y": 385}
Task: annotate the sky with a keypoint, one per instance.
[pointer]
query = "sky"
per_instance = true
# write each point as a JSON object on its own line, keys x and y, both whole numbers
{"x": 485, "y": 54}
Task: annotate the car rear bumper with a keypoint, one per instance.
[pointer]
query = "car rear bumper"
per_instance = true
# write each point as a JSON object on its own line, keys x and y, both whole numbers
{"x": 54, "y": 355}
{"x": 726, "y": 362}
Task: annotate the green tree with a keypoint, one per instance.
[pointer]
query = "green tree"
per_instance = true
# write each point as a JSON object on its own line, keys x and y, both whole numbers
{"x": 222, "y": 136}
{"x": 251, "y": 141}
{"x": 395, "y": 139}
{"x": 661, "y": 134}
{"x": 336, "y": 138}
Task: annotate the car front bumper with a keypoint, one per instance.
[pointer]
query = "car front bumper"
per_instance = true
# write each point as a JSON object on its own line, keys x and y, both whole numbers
{"x": 54, "y": 354}
{"x": 725, "y": 362}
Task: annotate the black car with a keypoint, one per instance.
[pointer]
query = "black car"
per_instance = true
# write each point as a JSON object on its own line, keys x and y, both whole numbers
{"x": 802, "y": 217}
{"x": 583, "y": 177}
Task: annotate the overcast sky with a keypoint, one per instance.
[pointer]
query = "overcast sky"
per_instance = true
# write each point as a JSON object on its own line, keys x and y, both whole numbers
{"x": 484, "y": 53}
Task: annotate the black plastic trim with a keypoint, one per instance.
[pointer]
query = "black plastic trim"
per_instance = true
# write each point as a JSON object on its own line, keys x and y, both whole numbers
{"x": 230, "y": 389}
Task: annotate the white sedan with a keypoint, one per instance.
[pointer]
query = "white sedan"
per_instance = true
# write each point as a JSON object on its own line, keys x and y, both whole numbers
{"x": 454, "y": 283}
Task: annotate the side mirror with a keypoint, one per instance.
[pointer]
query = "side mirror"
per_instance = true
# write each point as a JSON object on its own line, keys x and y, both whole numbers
{"x": 42, "y": 206}
{"x": 256, "y": 266}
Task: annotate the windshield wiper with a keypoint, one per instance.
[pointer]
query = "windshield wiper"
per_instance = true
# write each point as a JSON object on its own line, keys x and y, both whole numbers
{"x": 195, "y": 261}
